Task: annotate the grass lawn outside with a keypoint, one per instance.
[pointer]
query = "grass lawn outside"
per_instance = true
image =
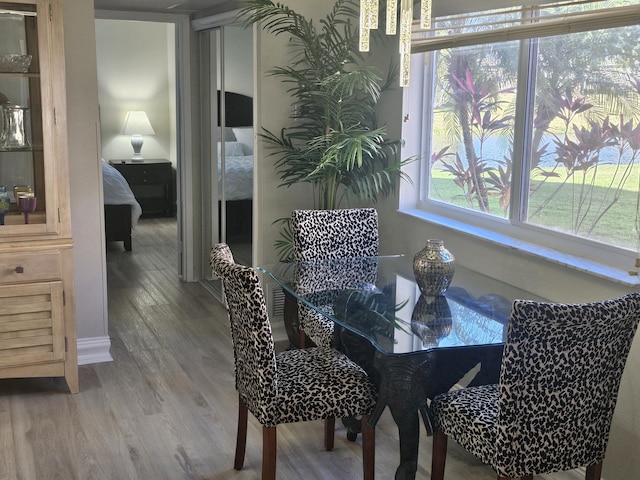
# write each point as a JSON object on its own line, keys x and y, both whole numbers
{"x": 590, "y": 207}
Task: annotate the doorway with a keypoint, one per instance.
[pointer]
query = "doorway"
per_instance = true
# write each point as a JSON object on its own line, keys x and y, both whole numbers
{"x": 136, "y": 61}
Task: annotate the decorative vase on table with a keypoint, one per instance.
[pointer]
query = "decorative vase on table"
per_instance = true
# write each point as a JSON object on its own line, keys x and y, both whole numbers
{"x": 433, "y": 267}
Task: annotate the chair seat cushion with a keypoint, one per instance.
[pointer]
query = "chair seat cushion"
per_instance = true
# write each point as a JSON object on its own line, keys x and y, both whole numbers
{"x": 469, "y": 417}
{"x": 316, "y": 383}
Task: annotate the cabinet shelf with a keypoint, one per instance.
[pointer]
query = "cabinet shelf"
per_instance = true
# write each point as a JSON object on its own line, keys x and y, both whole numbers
{"x": 17, "y": 218}
{"x": 32, "y": 148}
{"x": 20, "y": 74}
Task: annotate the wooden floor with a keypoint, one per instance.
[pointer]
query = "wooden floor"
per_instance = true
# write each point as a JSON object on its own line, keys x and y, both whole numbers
{"x": 165, "y": 408}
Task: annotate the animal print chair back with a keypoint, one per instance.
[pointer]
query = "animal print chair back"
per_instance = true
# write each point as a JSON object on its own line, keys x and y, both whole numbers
{"x": 253, "y": 345}
{"x": 332, "y": 237}
{"x": 561, "y": 370}
{"x": 324, "y": 234}
{"x": 552, "y": 410}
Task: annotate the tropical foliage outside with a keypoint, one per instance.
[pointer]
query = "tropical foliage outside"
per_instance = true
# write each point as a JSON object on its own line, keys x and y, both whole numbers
{"x": 581, "y": 154}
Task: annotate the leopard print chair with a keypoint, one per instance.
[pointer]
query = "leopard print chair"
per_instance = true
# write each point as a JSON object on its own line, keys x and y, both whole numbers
{"x": 328, "y": 235}
{"x": 292, "y": 386}
{"x": 552, "y": 408}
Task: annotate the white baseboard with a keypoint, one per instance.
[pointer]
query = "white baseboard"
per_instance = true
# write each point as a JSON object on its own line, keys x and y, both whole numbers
{"x": 94, "y": 350}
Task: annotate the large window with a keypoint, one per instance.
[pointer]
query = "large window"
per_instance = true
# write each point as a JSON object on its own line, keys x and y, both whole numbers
{"x": 538, "y": 137}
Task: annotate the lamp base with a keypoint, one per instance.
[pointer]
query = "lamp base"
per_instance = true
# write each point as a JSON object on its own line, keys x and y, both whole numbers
{"x": 136, "y": 143}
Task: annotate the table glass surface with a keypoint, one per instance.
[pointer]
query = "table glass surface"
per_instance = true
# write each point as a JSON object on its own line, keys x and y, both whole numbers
{"x": 378, "y": 298}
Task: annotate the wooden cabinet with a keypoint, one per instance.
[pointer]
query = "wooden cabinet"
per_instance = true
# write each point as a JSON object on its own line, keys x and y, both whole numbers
{"x": 151, "y": 182}
{"x": 37, "y": 308}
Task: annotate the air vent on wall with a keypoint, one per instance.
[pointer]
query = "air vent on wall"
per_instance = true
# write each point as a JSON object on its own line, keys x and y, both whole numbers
{"x": 276, "y": 303}
{"x": 275, "y": 307}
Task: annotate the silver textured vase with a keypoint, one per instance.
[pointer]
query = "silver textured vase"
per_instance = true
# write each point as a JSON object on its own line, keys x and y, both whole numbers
{"x": 433, "y": 267}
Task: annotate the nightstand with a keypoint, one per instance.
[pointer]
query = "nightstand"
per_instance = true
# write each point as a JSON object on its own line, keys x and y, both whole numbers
{"x": 151, "y": 181}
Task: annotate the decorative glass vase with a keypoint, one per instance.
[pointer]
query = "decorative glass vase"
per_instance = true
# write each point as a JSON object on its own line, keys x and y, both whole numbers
{"x": 433, "y": 267}
{"x": 15, "y": 128}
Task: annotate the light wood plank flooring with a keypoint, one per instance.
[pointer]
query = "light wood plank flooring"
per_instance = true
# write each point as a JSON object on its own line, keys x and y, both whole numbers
{"x": 165, "y": 408}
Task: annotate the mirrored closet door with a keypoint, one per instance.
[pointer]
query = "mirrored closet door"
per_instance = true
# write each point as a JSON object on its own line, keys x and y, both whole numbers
{"x": 228, "y": 140}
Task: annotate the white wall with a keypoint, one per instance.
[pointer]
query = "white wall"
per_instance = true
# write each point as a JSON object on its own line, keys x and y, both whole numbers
{"x": 135, "y": 60}
{"x": 85, "y": 179}
{"x": 238, "y": 61}
{"x": 272, "y": 108}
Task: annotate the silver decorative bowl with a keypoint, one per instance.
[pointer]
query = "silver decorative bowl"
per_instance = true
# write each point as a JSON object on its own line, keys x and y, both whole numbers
{"x": 15, "y": 63}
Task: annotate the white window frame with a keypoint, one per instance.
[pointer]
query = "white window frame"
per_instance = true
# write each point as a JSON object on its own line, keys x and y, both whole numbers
{"x": 606, "y": 261}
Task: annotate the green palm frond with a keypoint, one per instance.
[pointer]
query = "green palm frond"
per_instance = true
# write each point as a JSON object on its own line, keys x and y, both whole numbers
{"x": 284, "y": 245}
{"x": 334, "y": 142}
{"x": 276, "y": 18}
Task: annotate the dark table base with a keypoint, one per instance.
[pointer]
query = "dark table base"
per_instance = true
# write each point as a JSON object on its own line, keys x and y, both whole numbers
{"x": 406, "y": 383}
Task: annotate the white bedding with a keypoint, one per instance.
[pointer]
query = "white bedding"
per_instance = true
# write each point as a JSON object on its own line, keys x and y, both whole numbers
{"x": 118, "y": 192}
{"x": 238, "y": 178}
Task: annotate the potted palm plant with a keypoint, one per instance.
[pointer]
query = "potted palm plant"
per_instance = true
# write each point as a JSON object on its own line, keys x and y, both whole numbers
{"x": 333, "y": 141}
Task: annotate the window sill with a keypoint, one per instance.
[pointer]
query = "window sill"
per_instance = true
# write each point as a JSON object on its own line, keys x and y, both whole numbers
{"x": 574, "y": 262}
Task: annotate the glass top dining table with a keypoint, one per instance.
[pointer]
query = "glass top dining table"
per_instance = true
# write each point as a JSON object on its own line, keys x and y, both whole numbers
{"x": 378, "y": 299}
{"x": 413, "y": 347}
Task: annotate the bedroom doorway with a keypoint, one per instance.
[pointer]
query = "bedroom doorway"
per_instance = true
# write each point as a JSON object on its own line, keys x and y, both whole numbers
{"x": 228, "y": 142}
{"x": 137, "y": 72}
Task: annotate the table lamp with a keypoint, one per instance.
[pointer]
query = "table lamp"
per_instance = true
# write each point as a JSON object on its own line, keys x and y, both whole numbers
{"x": 136, "y": 124}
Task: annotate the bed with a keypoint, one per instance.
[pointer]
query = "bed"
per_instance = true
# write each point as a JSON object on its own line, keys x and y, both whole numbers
{"x": 238, "y": 138}
{"x": 121, "y": 209}
{"x": 238, "y": 182}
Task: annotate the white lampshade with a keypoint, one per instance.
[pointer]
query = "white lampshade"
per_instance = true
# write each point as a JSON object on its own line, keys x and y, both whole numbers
{"x": 136, "y": 124}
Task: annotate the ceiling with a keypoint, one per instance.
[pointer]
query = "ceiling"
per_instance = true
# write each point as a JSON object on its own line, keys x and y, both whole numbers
{"x": 188, "y": 7}
{"x": 198, "y": 8}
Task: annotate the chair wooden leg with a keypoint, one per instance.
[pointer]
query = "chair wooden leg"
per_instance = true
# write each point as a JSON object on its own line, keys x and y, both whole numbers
{"x": 368, "y": 449}
{"x": 438, "y": 455}
{"x": 329, "y": 433}
{"x": 269, "y": 453}
{"x": 241, "y": 437}
{"x": 303, "y": 338}
{"x": 594, "y": 472}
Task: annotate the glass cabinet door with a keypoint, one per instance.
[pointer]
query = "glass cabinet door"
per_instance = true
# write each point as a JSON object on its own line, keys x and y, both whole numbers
{"x": 23, "y": 196}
